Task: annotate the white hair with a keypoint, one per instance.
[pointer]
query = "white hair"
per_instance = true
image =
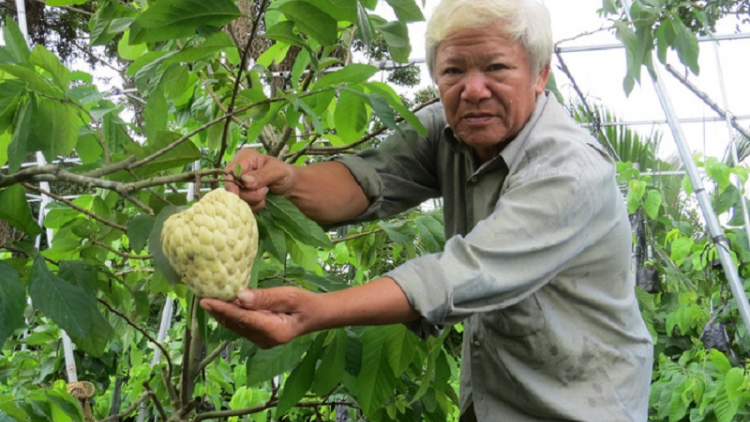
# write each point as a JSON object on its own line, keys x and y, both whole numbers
{"x": 527, "y": 21}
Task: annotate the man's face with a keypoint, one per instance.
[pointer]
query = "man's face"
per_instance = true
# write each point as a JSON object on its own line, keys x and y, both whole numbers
{"x": 487, "y": 87}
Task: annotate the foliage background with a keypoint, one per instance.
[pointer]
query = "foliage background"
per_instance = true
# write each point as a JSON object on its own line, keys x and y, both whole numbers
{"x": 289, "y": 77}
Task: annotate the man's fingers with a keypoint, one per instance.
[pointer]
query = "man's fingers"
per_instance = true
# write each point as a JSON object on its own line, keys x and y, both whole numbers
{"x": 279, "y": 299}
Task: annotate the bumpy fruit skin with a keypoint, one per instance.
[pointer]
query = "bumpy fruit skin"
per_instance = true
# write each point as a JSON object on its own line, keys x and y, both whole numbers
{"x": 212, "y": 244}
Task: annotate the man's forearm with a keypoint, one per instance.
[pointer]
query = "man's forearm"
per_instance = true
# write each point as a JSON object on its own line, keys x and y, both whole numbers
{"x": 327, "y": 193}
{"x": 379, "y": 302}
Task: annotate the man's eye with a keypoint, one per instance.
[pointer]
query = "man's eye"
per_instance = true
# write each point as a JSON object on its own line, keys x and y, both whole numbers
{"x": 451, "y": 71}
{"x": 497, "y": 66}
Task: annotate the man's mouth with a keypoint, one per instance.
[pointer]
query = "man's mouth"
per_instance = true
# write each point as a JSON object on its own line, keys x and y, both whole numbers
{"x": 477, "y": 118}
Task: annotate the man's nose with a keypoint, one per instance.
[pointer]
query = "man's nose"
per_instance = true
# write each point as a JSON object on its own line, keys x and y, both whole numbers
{"x": 475, "y": 87}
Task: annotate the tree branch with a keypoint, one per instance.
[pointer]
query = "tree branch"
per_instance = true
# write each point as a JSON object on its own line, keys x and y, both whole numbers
{"x": 211, "y": 356}
{"x": 76, "y": 207}
{"x": 709, "y": 102}
{"x": 155, "y": 399}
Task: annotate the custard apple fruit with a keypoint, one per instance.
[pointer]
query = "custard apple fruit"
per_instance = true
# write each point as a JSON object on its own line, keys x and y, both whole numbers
{"x": 212, "y": 244}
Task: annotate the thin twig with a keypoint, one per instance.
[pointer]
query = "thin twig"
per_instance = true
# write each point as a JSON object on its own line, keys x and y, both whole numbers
{"x": 119, "y": 253}
{"x": 304, "y": 150}
{"x": 211, "y": 356}
{"x": 164, "y": 351}
{"x": 76, "y": 207}
{"x": 356, "y": 236}
{"x": 156, "y": 401}
{"x": 129, "y": 410}
{"x": 236, "y": 88}
{"x": 285, "y": 136}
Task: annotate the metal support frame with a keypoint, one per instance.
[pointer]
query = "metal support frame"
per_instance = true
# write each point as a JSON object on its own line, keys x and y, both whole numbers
{"x": 712, "y": 222}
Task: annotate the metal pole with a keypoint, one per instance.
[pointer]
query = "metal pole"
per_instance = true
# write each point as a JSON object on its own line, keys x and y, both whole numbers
{"x": 714, "y": 228}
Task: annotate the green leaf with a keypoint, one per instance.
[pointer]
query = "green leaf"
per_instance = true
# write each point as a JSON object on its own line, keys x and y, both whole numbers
{"x": 330, "y": 372}
{"x": 271, "y": 236}
{"x": 364, "y": 27}
{"x": 724, "y": 408}
{"x": 64, "y": 2}
{"x": 342, "y": 10}
{"x": 155, "y": 114}
{"x": 312, "y": 21}
{"x": 69, "y": 306}
{"x": 637, "y": 188}
{"x": 375, "y": 382}
{"x": 653, "y": 203}
{"x": 431, "y": 233}
{"x": 399, "y": 232}
{"x": 102, "y": 21}
{"x": 12, "y": 302}
{"x": 268, "y": 363}
{"x": 16, "y": 211}
{"x": 184, "y": 153}
{"x": 733, "y": 382}
{"x": 681, "y": 249}
{"x": 301, "y": 378}
{"x": 5, "y": 140}
{"x": 215, "y": 43}
{"x": 139, "y": 229}
{"x": 406, "y": 10}
{"x": 393, "y": 99}
{"x": 171, "y": 19}
{"x": 15, "y": 43}
{"x": 43, "y": 58}
{"x": 401, "y": 346}
{"x": 396, "y": 35}
{"x": 55, "y": 128}
{"x": 351, "y": 74}
{"x": 34, "y": 81}
{"x": 296, "y": 224}
{"x": 686, "y": 44}
{"x": 351, "y": 116}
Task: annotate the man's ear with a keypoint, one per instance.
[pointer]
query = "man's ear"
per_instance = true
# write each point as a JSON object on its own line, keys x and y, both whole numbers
{"x": 542, "y": 79}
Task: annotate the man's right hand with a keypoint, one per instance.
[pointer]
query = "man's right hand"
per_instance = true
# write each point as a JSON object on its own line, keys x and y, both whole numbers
{"x": 260, "y": 174}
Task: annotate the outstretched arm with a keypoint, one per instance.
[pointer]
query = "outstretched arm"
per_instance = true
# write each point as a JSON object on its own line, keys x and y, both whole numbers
{"x": 274, "y": 316}
{"x": 325, "y": 192}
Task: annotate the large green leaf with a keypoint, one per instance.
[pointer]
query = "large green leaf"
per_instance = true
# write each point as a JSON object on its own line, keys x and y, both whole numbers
{"x": 351, "y": 116}
{"x": 5, "y": 139}
{"x": 16, "y": 211}
{"x": 54, "y": 130}
{"x": 296, "y": 224}
{"x": 301, "y": 378}
{"x": 431, "y": 233}
{"x": 268, "y": 363}
{"x": 68, "y": 305}
{"x": 171, "y": 19}
{"x": 139, "y": 230}
{"x": 12, "y": 301}
{"x": 15, "y": 43}
{"x": 271, "y": 236}
{"x": 44, "y": 58}
{"x": 330, "y": 372}
{"x": 375, "y": 383}
{"x": 352, "y": 74}
{"x": 396, "y": 35}
{"x": 342, "y": 10}
{"x": 155, "y": 114}
{"x": 312, "y": 21}
{"x": 177, "y": 157}
{"x": 406, "y": 10}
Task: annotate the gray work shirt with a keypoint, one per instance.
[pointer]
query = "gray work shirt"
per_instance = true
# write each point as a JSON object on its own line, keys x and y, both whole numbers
{"x": 537, "y": 265}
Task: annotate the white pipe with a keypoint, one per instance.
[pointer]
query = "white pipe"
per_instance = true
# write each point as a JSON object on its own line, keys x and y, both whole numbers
{"x": 714, "y": 228}
{"x": 166, "y": 322}
{"x": 70, "y": 361}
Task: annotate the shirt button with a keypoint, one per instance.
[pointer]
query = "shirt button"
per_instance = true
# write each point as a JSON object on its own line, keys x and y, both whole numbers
{"x": 477, "y": 343}
{"x": 473, "y": 179}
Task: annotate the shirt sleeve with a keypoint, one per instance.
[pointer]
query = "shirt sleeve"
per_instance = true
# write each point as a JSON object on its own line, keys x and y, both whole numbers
{"x": 537, "y": 228}
{"x": 401, "y": 172}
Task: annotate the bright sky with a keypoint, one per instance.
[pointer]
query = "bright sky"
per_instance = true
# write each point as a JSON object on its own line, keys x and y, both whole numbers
{"x": 599, "y": 74}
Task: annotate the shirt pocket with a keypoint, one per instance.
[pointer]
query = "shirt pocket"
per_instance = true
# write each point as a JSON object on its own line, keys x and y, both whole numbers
{"x": 522, "y": 319}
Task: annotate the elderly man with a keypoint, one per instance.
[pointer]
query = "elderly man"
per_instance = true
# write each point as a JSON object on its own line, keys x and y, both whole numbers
{"x": 537, "y": 261}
